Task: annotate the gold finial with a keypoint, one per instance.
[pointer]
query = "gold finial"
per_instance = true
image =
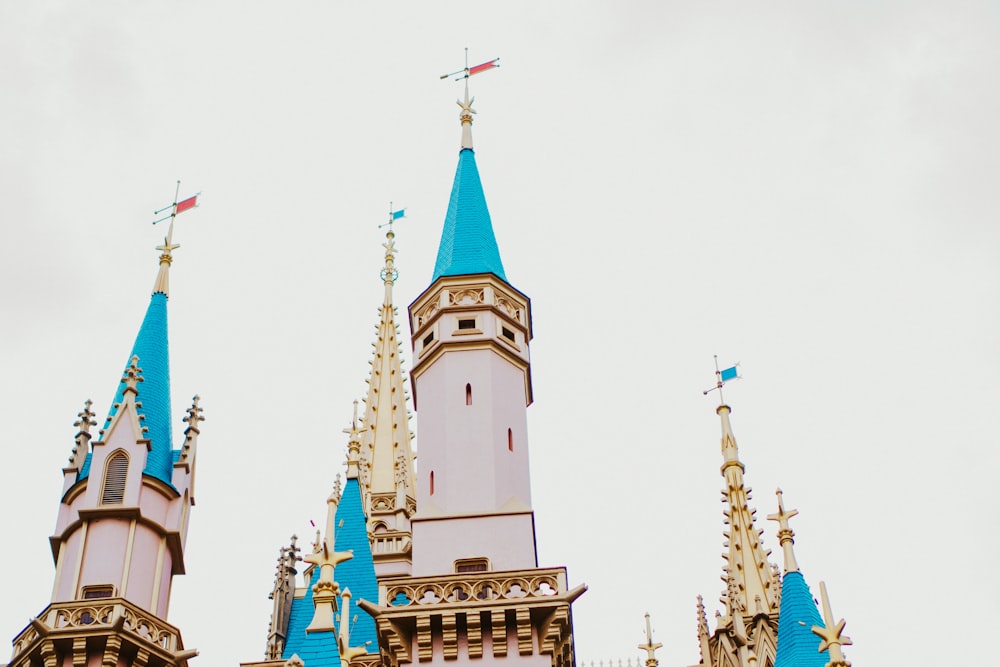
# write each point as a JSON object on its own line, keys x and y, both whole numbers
{"x": 327, "y": 558}
{"x": 193, "y": 417}
{"x": 831, "y": 634}
{"x": 85, "y": 418}
{"x": 785, "y": 533}
{"x": 353, "y": 446}
{"x": 649, "y": 647}
{"x": 133, "y": 375}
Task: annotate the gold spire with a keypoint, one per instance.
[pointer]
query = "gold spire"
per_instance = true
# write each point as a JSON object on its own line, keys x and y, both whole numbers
{"x": 832, "y": 634}
{"x": 746, "y": 560}
{"x": 649, "y": 647}
{"x": 385, "y": 468}
{"x": 785, "y": 534}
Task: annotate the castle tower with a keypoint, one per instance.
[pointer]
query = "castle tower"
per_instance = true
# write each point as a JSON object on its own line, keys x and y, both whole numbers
{"x": 388, "y": 484}
{"x": 476, "y": 594}
{"x": 747, "y": 632}
{"x": 122, "y": 521}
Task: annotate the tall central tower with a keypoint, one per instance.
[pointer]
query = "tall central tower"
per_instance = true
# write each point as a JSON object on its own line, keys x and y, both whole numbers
{"x": 476, "y": 593}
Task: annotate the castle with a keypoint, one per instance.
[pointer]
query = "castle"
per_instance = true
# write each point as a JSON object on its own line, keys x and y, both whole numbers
{"x": 429, "y": 565}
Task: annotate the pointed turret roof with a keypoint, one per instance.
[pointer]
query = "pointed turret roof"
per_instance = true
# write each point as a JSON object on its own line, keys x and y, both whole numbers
{"x": 152, "y": 350}
{"x": 356, "y": 574}
{"x": 468, "y": 245}
{"x": 797, "y": 645}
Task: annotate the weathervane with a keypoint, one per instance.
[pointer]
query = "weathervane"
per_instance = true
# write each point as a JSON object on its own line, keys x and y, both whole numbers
{"x": 722, "y": 377}
{"x": 465, "y": 115}
{"x": 177, "y": 207}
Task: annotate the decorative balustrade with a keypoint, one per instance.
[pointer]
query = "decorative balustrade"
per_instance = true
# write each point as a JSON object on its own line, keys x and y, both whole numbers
{"x": 473, "y": 588}
{"x": 66, "y": 617}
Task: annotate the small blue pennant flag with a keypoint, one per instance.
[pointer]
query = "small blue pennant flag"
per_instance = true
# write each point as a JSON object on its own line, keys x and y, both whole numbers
{"x": 396, "y": 215}
{"x": 727, "y": 374}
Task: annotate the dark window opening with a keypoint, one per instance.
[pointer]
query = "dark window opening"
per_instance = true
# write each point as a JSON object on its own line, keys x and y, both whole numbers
{"x": 466, "y": 324}
{"x": 468, "y": 394}
{"x": 428, "y": 339}
{"x": 510, "y": 440}
{"x": 508, "y": 334}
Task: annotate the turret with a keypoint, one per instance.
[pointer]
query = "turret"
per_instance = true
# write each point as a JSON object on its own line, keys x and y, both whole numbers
{"x": 476, "y": 593}
{"x": 472, "y": 385}
{"x": 123, "y": 518}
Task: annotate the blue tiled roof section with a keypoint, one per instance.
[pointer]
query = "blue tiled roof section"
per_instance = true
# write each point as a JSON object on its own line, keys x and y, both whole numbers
{"x": 358, "y": 573}
{"x": 154, "y": 391}
{"x": 797, "y": 645}
{"x": 467, "y": 241}
{"x": 317, "y": 649}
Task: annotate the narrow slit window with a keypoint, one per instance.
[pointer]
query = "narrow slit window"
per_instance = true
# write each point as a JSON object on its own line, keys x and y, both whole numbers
{"x": 468, "y": 394}
{"x": 115, "y": 472}
{"x": 510, "y": 440}
{"x": 432, "y": 482}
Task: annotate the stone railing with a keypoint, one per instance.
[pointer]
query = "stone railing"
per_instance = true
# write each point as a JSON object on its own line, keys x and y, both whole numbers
{"x": 68, "y": 617}
{"x": 473, "y": 587}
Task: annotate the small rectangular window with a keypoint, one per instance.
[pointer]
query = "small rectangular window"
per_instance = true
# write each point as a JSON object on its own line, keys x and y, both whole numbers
{"x": 472, "y": 565}
{"x": 508, "y": 334}
{"x": 467, "y": 324}
{"x": 428, "y": 339}
{"x": 96, "y": 592}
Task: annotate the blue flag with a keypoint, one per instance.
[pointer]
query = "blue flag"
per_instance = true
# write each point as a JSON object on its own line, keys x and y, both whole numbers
{"x": 396, "y": 215}
{"x": 727, "y": 374}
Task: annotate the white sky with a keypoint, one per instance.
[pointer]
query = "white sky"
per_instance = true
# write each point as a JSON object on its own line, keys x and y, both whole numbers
{"x": 807, "y": 188}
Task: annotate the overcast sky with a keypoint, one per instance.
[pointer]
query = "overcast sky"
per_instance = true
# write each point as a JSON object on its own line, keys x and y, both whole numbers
{"x": 809, "y": 188}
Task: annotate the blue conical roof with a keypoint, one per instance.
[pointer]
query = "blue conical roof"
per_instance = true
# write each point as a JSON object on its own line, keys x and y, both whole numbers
{"x": 797, "y": 645}
{"x": 467, "y": 241}
{"x": 154, "y": 392}
{"x": 319, "y": 649}
{"x": 358, "y": 573}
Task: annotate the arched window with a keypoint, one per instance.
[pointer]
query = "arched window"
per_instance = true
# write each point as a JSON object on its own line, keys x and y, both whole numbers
{"x": 115, "y": 472}
{"x": 468, "y": 394}
{"x": 510, "y": 440}
{"x": 432, "y": 482}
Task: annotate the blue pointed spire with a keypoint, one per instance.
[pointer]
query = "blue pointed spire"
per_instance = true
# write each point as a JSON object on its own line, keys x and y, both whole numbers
{"x": 154, "y": 394}
{"x": 467, "y": 242}
{"x": 319, "y": 649}
{"x": 358, "y": 573}
{"x": 797, "y": 645}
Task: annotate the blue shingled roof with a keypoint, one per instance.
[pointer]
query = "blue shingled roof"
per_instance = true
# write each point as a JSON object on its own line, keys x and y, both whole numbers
{"x": 154, "y": 392}
{"x": 467, "y": 241}
{"x": 797, "y": 645}
{"x": 319, "y": 649}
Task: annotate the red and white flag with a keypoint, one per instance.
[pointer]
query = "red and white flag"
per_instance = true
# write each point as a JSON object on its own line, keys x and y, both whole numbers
{"x": 185, "y": 205}
{"x": 485, "y": 66}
